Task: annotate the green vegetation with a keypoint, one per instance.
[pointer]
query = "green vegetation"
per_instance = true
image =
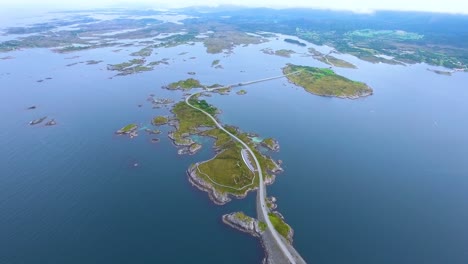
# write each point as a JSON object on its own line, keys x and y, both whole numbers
{"x": 447, "y": 73}
{"x": 325, "y": 82}
{"x": 279, "y": 224}
{"x": 242, "y": 92}
{"x": 270, "y": 143}
{"x": 396, "y": 35}
{"x": 221, "y": 137}
{"x": 216, "y": 85}
{"x": 330, "y": 60}
{"x": 189, "y": 120}
{"x": 122, "y": 66}
{"x": 228, "y": 169}
{"x": 156, "y": 63}
{"x": 92, "y": 62}
{"x": 338, "y": 62}
{"x": 421, "y": 38}
{"x": 203, "y": 105}
{"x": 214, "y": 63}
{"x": 160, "y": 120}
{"x": 262, "y": 225}
{"x": 194, "y": 147}
{"x": 135, "y": 69}
{"x": 284, "y": 53}
{"x": 145, "y": 52}
{"x": 293, "y": 41}
{"x": 241, "y": 216}
{"x": 185, "y": 84}
{"x": 128, "y": 128}
{"x": 227, "y": 40}
{"x": 176, "y": 40}
{"x": 266, "y": 163}
{"x": 396, "y": 46}
{"x": 223, "y": 91}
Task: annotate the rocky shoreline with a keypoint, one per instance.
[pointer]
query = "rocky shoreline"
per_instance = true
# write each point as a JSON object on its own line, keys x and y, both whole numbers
{"x": 215, "y": 196}
{"x": 256, "y": 228}
{"x": 271, "y": 143}
{"x": 218, "y": 197}
{"x": 290, "y": 235}
{"x": 352, "y": 97}
{"x": 243, "y": 223}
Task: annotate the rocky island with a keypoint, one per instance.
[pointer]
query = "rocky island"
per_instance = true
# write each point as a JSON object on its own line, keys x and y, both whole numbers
{"x": 325, "y": 82}
{"x": 160, "y": 120}
{"x": 37, "y": 121}
{"x": 130, "y": 130}
{"x": 271, "y": 144}
{"x": 226, "y": 174}
{"x": 184, "y": 84}
{"x": 244, "y": 223}
{"x": 331, "y": 60}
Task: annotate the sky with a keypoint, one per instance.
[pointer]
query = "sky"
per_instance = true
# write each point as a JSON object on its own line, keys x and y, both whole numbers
{"x": 365, "y": 6}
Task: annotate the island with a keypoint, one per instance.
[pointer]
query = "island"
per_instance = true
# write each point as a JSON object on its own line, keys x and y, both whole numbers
{"x": 241, "y": 92}
{"x": 145, "y": 52}
{"x": 160, "y": 120}
{"x": 130, "y": 130}
{"x": 447, "y": 73}
{"x": 130, "y": 67}
{"x": 215, "y": 62}
{"x": 37, "y": 121}
{"x": 227, "y": 174}
{"x": 51, "y": 122}
{"x": 244, "y": 223}
{"x": 293, "y": 41}
{"x": 184, "y": 84}
{"x": 331, "y": 60}
{"x": 325, "y": 82}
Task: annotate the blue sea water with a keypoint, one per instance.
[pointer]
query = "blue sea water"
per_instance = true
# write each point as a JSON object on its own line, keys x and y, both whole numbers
{"x": 381, "y": 179}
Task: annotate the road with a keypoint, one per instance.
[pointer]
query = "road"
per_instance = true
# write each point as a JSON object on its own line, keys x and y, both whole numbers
{"x": 246, "y": 159}
{"x": 261, "y": 185}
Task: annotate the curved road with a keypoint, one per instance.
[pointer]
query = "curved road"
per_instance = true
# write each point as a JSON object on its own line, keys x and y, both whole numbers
{"x": 261, "y": 185}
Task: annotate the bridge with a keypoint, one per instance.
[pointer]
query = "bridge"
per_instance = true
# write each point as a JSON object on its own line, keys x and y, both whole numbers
{"x": 287, "y": 250}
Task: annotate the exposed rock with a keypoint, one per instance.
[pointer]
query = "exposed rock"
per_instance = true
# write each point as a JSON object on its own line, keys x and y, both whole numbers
{"x": 37, "y": 121}
{"x": 183, "y": 141}
{"x": 271, "y": 201}
{"x": 32, "y": 107}
{"x": 243, "y": 223}
{"x": 154, "y": 140}
{"x": 51, "y": 123}
{"x": 183, "y": 151}
{"x": 271, "y": 144}
{"x": 174, "y": 123}
{"x": 132, "y": 132}
{"x": 194, "y": 148}
{"x": 153, "y": 132}
{"x": 217, "y": 197}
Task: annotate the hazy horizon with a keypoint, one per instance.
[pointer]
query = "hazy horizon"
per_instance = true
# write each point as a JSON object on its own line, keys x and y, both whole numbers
{"x": 359, "y": 6}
